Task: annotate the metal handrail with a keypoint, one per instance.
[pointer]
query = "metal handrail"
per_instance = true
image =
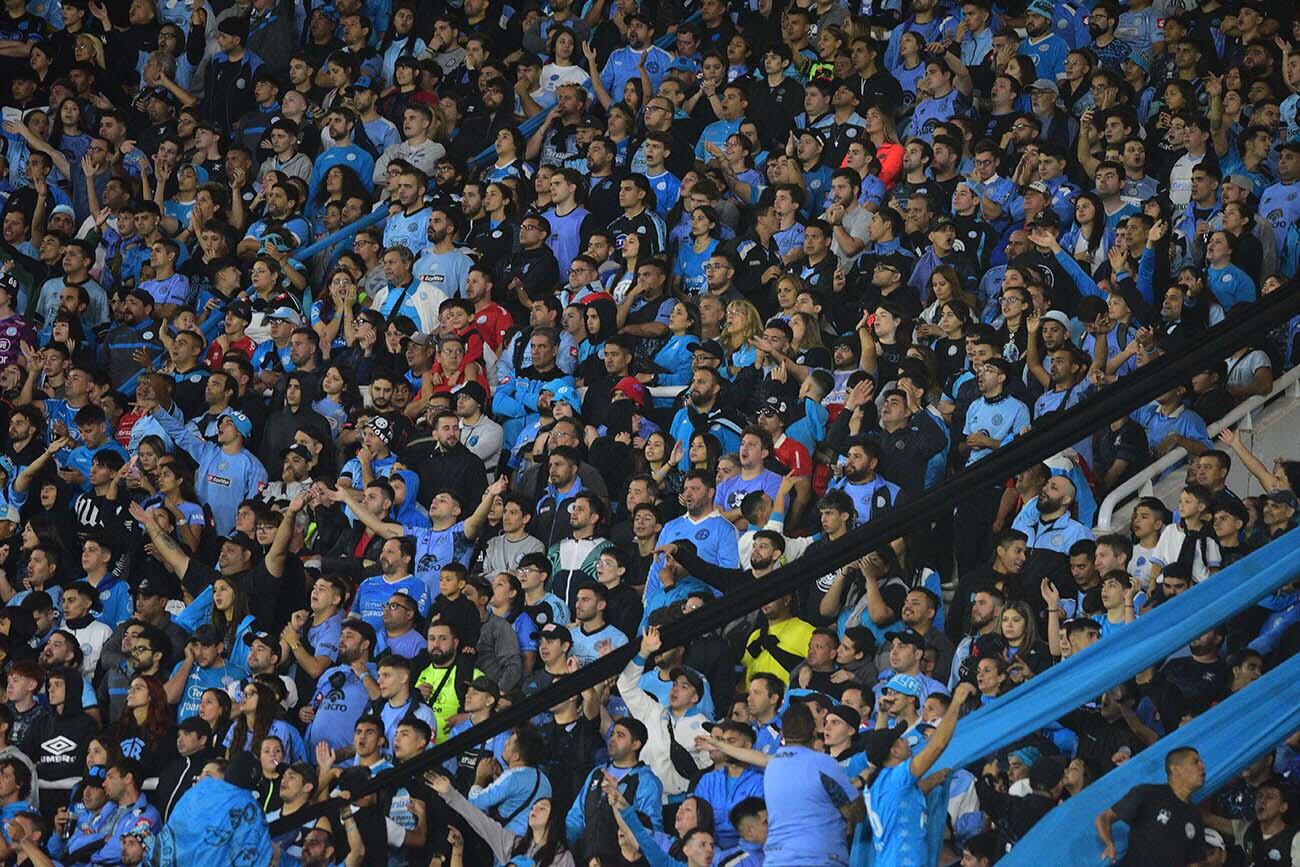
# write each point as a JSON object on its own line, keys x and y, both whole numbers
{"x": 1142, "y": 483}
{"x": 378, "y": 215}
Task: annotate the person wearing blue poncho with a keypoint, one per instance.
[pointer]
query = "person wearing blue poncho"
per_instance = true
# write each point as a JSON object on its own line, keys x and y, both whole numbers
{"x": 217, "y": 823}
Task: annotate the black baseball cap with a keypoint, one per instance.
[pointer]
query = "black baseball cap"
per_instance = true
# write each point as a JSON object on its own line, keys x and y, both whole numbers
{"x": 553, "y": 631}
{"x": 712, "y": 347}
{"x": 908, "y": 636}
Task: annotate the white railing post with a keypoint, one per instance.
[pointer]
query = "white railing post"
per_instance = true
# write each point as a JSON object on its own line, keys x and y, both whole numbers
{"x": 1242, "y": 418}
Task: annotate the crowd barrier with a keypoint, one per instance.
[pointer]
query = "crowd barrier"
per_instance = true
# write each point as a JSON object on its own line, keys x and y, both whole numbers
{"x": 1229, "y": 737}
{"x": 1039, "y": 443}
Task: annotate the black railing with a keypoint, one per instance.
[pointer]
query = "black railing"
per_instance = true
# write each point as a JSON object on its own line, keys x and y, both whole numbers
{"x": 1042, "y": 441}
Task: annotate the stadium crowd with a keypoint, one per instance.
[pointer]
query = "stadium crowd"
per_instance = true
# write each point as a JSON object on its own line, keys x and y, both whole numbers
{"x": 368, "y": 367}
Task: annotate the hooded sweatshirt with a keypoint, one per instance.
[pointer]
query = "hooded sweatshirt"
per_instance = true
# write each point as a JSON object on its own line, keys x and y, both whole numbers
{"x": 57, "y": 742}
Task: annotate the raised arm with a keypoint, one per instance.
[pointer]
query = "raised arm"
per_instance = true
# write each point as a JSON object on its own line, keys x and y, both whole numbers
{"x": 475, "y": 523}
{"x": 33, "y": 470}
{"x": 748, "y": 755}
{"x": 1229, "y": 438}
{"x": 277, "y": 554}
{"x": 373, "y": 522}
{"x": 37, "y": 143}
{"x": 939, "y": 740}
{"x": 167, "y": 549}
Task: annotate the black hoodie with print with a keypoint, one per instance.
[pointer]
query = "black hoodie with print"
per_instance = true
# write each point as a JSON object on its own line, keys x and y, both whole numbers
{"x": 57, "y": 742}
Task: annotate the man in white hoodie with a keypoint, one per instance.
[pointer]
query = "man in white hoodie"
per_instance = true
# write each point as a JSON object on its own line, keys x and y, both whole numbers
{"x": 679, "y": 724}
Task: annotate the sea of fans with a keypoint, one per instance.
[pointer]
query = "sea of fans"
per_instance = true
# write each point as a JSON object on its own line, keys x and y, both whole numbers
{"x": 368, "y": 367}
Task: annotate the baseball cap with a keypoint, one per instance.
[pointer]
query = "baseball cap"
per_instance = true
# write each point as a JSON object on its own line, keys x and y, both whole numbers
{"x": 1058, "y": 317}
{"x": 693, "y": 678}
{"x": 1040, "y": 187}
{"x": 711, "y": 347}
{"x": 95, "y": 775}
{"x": 1046, "y": 219}
{"x": 241, "y": 422}
{"x": 243, "y": 540}
{"x": 298, "y": 449}
{"x": 419, "y": 338}
{"x": 206, "y": 634}
{"x": 906, "y": 684}
{"x": 942, "y": 221}
{"x": 263, "y": 636}
{"x": 151, "y": 586}
{"x": 485, "y": 684}
{"x": 876, "y": 744}
{"x": 683, "y": 64}
{"x": 907, "y": 636}
{"x": 63, "y": 209}
{"x": 363, "y": 82}
{"x": 474, "y": 391}
{"x": 775, "y": 405}
{"x": 287, "y": 314}
{"x": 1240, "y": 180}
{"x": 631, "y": 388}
{"x": 555, "y": 632}
{"x": 1045, "y": 83}
{"x": 1284, "y": 498}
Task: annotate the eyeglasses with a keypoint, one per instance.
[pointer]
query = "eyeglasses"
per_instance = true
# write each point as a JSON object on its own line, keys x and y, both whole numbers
{"x": 397, "y": 606}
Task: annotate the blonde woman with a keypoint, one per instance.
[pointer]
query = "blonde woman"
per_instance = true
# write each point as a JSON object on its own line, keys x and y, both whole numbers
{"x": 742, "y": 325}
{"x": 889, "y": 150}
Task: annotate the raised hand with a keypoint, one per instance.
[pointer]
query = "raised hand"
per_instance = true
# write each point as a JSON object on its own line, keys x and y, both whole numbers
{"x": 650, "y": 641}
{"x": 1051, "y": 596}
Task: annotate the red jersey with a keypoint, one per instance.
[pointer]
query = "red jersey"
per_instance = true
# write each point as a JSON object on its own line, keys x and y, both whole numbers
{"x": 492, "y": 322}
{"x": 794, "y": 455}
{"x": 215, "y": 353}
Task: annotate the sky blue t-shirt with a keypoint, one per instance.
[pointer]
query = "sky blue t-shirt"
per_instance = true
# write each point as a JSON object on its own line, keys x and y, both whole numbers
{"x": 735, "y": 489}
{"x": 896, "y": 811}
{"x": 436, "y": 548}
{"x": 200, "y": 679}
{"x": 809, "y": 829}
{"x": 375, "y": 591}
{"x": 690, "y": 267}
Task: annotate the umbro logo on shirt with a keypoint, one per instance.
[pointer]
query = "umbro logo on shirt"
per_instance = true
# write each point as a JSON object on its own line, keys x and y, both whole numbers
{"x": 58, "y": 746}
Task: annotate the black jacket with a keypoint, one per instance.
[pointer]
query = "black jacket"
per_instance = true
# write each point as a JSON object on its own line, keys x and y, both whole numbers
{"x": 456, "y": 468}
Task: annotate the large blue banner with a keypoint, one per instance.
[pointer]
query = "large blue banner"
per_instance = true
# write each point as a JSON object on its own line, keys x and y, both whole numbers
{"x": 214, "y": 824}
{"x": 1153, "y": 637}
{"x": 1229, "y": 737}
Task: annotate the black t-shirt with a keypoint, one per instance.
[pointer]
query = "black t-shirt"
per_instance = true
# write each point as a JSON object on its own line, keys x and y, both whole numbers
{"x": 1163, "y": 830}
{"x": 1128, "y": 444}
{"x": 1201, "y": 684}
